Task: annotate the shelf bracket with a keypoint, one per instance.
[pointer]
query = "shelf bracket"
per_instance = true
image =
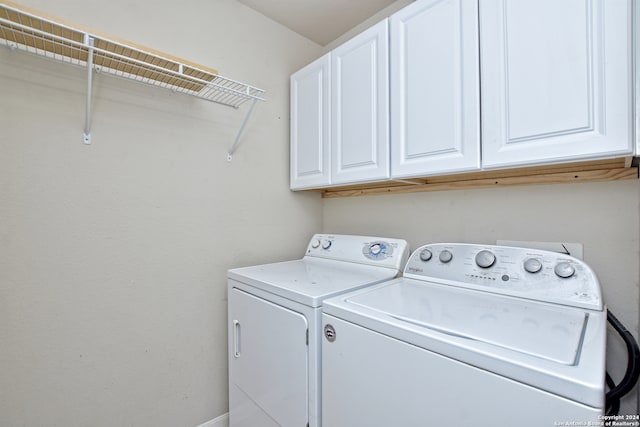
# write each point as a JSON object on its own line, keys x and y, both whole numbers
{"x": 86, "y": 136}
{"x": 244, "y": 124}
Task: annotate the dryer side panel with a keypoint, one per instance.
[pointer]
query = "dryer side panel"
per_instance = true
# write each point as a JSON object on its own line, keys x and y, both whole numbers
{"x": 268, "y": 363}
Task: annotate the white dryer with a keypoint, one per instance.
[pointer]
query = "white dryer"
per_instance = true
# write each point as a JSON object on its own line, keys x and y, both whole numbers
{"x": 275, "y": 326}
{"x": 470, "y": 336}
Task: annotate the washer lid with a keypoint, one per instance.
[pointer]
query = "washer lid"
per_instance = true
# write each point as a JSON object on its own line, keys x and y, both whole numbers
{"x": 310, "y": 280}
{"x": 546, "y": 331}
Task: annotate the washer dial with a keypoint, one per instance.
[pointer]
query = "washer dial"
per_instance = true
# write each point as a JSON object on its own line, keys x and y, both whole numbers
{"x": 564, "y": 270}
{"x": 445, "y": 256}
{"x": 532, "y": 265}
{"x": 485, "y": 259}
{"x": 425, "y": 255}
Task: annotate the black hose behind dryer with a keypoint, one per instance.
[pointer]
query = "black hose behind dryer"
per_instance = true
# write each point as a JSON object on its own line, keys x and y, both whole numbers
{"x": 628, "y": 382}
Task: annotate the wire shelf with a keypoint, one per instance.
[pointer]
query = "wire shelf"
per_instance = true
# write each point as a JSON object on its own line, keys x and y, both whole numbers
{"x": 27, "y": 32}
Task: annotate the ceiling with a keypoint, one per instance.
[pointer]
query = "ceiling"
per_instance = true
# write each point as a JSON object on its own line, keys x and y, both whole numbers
{"x": 321, "y": 21}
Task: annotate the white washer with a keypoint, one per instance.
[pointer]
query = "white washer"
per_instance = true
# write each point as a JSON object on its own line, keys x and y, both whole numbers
{"x": 470, "y": 336}
{"x": 275, "y": 325}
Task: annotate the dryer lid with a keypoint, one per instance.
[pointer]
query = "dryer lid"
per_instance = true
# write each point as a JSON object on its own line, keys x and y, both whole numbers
{"x": 543, "y": 330}
{"x": 310, "y": 280}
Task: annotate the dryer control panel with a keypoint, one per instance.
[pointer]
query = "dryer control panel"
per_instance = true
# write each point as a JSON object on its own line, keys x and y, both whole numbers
{"x": 384, "y": 252}
{"x": 521, "y": 272}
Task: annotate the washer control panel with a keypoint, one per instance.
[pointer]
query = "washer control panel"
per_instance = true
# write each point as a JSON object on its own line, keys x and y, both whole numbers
{"x": 521, "y": 272}
{"x": 386, "y": 252}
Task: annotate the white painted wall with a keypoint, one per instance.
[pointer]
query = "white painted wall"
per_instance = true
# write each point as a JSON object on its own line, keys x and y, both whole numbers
{"x": 605, "y": 217}
{"x": 113, "y": 256}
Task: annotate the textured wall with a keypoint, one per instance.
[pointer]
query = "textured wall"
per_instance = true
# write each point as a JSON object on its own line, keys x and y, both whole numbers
{"x": 113, "y": 256}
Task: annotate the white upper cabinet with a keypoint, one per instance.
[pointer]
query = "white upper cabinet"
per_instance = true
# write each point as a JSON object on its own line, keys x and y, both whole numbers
{"x": 434, "y": 88}
{"x": 556, "y": 80}
{"x": 450, "y": 86}
{"x": 311, "y": 125}
{"x": 360, "y": 107}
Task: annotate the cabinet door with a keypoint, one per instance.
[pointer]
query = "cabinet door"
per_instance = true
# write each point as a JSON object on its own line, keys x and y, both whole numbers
{"x": 268, "y": 363}
{"x": 360, "y": 107}
{"x": 556, "y": 80}
{"x": 310, "y": 125}
{"x": 435, "y": 88}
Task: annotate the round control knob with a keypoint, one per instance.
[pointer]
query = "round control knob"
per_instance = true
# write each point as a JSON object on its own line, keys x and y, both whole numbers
{"x": 485, "y": 259}
{"x": 564, "y": 270}
{"x": 425, "y": 255}
{"x": 532, "y": 265}
{"x": 445, "y": 256}
{"x": 315, "y": 243}
{"x": 375, "y": 249}
{"x": 326, "y": 244}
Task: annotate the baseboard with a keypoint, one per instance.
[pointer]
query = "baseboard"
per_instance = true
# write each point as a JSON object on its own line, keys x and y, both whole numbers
{"x": 221, "y": 421}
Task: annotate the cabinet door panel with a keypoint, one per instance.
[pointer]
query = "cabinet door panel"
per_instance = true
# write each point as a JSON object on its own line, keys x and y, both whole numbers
{"x": 310, "y": 125}
{"x": 555, "y": 80}
{"x": 360, "y": 108}
{"x": 434, "y": 88}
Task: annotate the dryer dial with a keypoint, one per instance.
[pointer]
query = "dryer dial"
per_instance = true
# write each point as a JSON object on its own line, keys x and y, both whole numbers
{"x": 326, "y": 244}
{"x": 377, "y": 250}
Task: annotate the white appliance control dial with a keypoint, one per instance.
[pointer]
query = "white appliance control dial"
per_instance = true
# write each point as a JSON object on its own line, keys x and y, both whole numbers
{"x": 377, "y": 250}
{"x": 564, "y": 270}
{"x": 315, "y": 243}
{"x": 445, "y": 256}
{"x": 528, "y": 273}
{"x": 326, "y": 244}
{"x": 532, "y": 265}
{"x": 425, "y": 255}
{"x": 485, "y": 259}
